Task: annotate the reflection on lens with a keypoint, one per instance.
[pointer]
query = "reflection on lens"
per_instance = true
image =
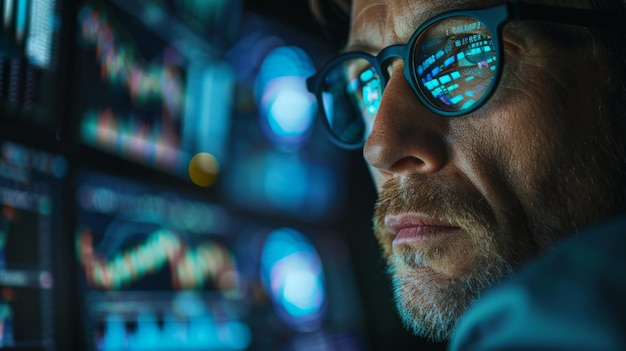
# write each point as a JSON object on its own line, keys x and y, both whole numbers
{"x": 455, "y": 63}
{"x": 351, "y": 93}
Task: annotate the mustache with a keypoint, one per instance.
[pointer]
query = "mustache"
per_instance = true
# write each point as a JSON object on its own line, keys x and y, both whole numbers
{"x": 434, "y": 196}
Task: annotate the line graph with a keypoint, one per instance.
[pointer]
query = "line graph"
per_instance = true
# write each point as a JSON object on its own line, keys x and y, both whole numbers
{"x": 145, "y": 82}
{"x": 190, "y": 267}
{"x": 146, "y": 142}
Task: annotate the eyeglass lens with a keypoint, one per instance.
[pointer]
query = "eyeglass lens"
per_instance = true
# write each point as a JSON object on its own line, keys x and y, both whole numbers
{"x": 453, "y": 65}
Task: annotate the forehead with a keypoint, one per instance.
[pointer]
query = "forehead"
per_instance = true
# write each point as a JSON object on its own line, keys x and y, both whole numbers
{"x": 379, "y": 23}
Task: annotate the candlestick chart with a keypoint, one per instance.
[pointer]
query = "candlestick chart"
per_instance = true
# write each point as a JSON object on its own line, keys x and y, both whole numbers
{"x": 190, "y": 267}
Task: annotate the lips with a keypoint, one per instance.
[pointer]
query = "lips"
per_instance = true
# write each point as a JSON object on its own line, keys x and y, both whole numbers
{"x": 418, "y": 229}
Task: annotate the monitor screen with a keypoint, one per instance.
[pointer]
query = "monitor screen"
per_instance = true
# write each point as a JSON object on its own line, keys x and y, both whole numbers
{"x": 30, "y": 62}
{"x": 157, "y": 97}
{"x": 156, "y": 268}
{"x": 164, "y": 269}
{"x": 31, "y": 228}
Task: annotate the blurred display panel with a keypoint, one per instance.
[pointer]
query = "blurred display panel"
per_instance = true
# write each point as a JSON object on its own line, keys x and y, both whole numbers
{"x": 157, "y": 97}
{"x": 214, "y": 20}
{"x": 110, "y": 239}
{"x": 157, "y": 269}
{"x": 30, "y": 223}
{"x": 300, "y": 287}
{"x": 165, "y": 270}
{"x": 282, "y": 162}
{"x": 285, "y": 180}
{"x": 30, "y": 48}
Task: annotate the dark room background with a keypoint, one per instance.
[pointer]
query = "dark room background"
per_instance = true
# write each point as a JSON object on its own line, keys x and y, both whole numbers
{"x": 165, "y": 185}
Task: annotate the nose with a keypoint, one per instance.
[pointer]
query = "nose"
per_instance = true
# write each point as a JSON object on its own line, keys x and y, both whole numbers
{"x": 406, "y": 137}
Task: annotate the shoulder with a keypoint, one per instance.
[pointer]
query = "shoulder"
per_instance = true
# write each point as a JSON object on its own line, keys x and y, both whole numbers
{"x": 573, "y": 297}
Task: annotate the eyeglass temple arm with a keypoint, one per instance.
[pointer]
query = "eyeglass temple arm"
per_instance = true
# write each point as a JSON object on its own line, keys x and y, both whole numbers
{"x": 613, "y": 22}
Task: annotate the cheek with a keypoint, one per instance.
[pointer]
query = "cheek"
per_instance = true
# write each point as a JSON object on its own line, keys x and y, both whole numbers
{"x": 549, "y": 119}
{"x": 511, "y": 148}
{"x": 534, "y": 152}
{"x": 527, "y": 127}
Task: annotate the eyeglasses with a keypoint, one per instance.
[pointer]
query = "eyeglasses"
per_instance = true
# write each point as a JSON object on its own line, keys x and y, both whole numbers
{"x": 452, "y": 62}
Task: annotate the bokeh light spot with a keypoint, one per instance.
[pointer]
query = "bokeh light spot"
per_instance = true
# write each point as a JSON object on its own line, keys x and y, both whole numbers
{"x": 203, "y": 169}
{"x": 286, "y": 107}
{"x": 293, "y": 277}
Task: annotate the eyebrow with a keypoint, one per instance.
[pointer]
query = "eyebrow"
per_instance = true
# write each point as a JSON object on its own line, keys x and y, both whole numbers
{"x": 435, "y": 8}
{"x": 443, "y": 6}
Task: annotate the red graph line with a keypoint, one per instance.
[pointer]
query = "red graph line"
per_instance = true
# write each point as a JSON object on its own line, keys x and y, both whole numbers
{"x": 119, "y": 64}
{"x": 190, "y": 268}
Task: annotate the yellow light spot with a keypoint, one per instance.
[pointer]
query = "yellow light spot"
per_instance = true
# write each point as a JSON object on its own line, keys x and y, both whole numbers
{"x": 203, "y": 169}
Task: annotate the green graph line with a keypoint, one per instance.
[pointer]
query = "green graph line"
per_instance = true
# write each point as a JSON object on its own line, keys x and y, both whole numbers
{"x": 190, "y": 268}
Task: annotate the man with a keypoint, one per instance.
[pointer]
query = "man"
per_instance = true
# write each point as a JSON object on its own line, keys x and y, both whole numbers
{"x": 492, "y": 133}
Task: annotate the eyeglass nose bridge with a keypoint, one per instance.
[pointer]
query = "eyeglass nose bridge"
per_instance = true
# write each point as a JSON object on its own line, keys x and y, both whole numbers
{"x": 385, "y": 56}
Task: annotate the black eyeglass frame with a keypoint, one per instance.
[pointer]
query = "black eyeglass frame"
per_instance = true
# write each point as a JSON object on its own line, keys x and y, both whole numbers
{"x": 494, "y": 17}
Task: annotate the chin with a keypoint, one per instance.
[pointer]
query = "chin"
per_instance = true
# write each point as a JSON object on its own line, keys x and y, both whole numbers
{"x": 430, "y": 303}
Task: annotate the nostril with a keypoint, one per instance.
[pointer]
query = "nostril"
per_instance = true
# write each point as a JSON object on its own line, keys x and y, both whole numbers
{"x": 408, "y": 164}
{"x": 417, "y": 161}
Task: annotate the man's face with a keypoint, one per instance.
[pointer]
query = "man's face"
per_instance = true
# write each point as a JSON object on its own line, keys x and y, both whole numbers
{"x": 465, "y": 200}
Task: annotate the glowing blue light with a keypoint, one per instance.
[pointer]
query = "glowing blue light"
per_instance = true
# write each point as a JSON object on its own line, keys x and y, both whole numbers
{"x": 367, "y": 75}
{"x": 457, "y": 99}
{"x": 449, "y": 61}
{"x": 290, "y": 113}
{"x": 292, "y": 274}
{"x": 445, "y": 79}
{"x": 286, "y": 107}
{"x": 299, "y": 287}
{"x": 42, "y": 26}
{"x": 468, "y": 104}
{"x": 430, "y": 85}
{"x": 115, "y": 333}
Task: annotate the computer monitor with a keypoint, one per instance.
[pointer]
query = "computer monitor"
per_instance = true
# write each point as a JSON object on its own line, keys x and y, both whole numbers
{"x": 32, "y": 287}
{"x": 156, "y": 268}
{"x": 161, "y": 268}
{"x": 147, "y": 87}
{"x": 31, "y": 68}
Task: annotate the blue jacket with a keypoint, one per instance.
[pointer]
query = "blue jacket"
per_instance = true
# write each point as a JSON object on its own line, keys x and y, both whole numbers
{"x": 571, "y": 298}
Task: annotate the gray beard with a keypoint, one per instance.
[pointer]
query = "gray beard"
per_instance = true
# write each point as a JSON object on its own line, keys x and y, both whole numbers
{"x": 430, "y": 309}
{"x": 430, "y": 301}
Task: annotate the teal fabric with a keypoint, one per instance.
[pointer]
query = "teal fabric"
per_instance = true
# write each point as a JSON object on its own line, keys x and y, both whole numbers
{"x": 572, "y": 298}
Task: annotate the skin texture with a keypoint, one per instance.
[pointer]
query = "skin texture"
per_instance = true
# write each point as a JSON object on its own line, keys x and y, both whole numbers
{"x": 488, "y": 191}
